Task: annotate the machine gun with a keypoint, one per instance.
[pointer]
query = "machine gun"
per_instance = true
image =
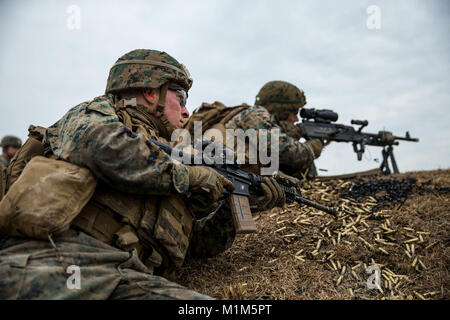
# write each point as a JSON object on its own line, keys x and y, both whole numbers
{"x": 244, "y": 184}
{"x": 318, "y": 124}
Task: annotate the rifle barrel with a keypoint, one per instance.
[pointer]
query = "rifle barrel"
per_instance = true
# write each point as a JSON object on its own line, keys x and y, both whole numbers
{"x": 316, "y": 205}
{"x": 407, "y": 139}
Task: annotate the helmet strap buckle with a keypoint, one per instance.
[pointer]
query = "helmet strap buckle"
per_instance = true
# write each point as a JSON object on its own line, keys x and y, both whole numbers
{"x": 130, "y": 102}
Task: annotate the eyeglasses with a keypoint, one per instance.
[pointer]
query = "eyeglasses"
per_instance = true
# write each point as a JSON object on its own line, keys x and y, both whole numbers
{"x": 182, "y": 94}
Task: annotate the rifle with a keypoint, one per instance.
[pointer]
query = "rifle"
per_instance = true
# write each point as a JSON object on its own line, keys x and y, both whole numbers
{"x": 244, "y": 183}
{"x": 318, "y": 124}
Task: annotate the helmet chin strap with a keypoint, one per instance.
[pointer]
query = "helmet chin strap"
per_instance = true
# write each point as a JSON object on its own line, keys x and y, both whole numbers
{"x": 162, "y": 98}
{"x": 144, "y": 112}
{"x": 160, "y": 107}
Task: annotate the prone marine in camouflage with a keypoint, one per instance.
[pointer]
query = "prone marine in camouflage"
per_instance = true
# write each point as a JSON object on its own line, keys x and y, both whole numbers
{"x": 276, "y": 105}
{"x": 283, "y": 100}
{"x": 137, "y": 226}
{"x": 10, "y": 145}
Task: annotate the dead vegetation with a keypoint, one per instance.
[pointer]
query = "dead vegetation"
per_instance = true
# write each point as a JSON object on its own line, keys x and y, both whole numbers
{"x": 302, "y": 253}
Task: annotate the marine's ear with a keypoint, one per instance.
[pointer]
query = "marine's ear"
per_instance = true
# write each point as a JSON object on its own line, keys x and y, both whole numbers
{"x": 150, "y": 96}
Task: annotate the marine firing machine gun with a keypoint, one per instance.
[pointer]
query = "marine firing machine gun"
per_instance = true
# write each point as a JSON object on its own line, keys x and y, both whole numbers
{"x": 319, "y": 124}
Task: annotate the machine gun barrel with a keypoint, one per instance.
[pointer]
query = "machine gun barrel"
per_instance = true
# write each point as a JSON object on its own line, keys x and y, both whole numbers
{"x": 406, "y": 139}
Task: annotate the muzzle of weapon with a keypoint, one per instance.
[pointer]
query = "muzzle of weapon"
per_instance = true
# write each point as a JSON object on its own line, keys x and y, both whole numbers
{"x": 407, "y": 138}
{"x": 319, "y": 114}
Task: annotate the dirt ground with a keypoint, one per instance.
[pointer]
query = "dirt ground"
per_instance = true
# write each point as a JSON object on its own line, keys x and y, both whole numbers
{"x": 392, "y": 231}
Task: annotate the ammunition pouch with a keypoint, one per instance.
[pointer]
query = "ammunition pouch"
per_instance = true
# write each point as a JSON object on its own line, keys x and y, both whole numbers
{"x": 159, "y": 228}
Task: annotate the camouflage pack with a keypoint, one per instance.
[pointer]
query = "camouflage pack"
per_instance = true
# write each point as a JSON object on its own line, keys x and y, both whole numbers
{"x": 45, "y": 199}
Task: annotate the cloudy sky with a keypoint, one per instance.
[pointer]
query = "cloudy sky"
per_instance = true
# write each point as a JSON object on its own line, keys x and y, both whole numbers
{"x": 396, "y": 76}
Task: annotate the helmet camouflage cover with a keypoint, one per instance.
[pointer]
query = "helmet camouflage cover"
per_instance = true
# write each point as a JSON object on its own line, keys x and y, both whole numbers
{"x": 143, "y": 68}
{"x": 12, "y": 141}
{"x": 281, "y": 98}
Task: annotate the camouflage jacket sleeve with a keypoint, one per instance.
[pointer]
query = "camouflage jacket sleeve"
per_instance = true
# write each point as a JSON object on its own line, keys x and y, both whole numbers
{"x": 91, "y": 135}
{"x": 212, "y": 234}
{"x": 292, "y": 152}
{"x": 3, "y": 162}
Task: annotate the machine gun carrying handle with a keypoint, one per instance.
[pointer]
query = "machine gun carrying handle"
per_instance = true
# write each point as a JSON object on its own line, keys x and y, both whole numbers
{"x": 362, "y": 123}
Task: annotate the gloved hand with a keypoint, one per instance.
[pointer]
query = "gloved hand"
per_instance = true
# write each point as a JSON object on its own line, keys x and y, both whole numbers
{"x": 272, "y": 196}
{"x": 291, "y": 129}
{"x": 207, "y": 183}
{"x": 316, "y": 146}
{"x": 287, "y": 180}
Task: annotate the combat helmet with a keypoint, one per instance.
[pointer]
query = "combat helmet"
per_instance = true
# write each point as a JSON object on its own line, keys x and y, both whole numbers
{"x": 147, "y": 69}
{"x": 11, "y": 141}
{"x": 280, "y": 98}
{"x": 143, "y": 68}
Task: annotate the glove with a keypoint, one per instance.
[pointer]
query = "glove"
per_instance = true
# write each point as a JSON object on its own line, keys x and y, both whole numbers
{"x": 287, "y": 180}
{"x": 272, "y": 196}
{"x": 316, "y": 146}
{"x": 291, "y": 129}
{"x": 208, "y": 184}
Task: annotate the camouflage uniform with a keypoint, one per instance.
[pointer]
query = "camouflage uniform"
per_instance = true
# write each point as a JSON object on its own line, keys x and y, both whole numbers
{"x": 293, "y": 154}
{"x": 294, "y": 132}
{"x": 281, "y": 98}
{"x": 3, "y": 161}
{"x": 134, "y": 176}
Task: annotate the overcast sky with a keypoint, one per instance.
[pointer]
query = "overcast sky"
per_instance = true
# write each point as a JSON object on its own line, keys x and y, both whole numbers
{"x": 397, "y": 77}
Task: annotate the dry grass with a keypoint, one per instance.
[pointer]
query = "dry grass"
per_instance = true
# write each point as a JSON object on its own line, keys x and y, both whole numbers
{"x": 302, "y": 253}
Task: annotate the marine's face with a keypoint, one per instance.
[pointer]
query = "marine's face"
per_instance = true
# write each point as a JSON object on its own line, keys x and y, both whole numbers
{"x": 11, "y": 151}
{"x": 174, "y": 111}
{"x": 292, "y": 117}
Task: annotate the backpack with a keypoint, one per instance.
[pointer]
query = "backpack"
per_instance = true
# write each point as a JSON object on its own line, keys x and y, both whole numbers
{"x": 213, "y": 116}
